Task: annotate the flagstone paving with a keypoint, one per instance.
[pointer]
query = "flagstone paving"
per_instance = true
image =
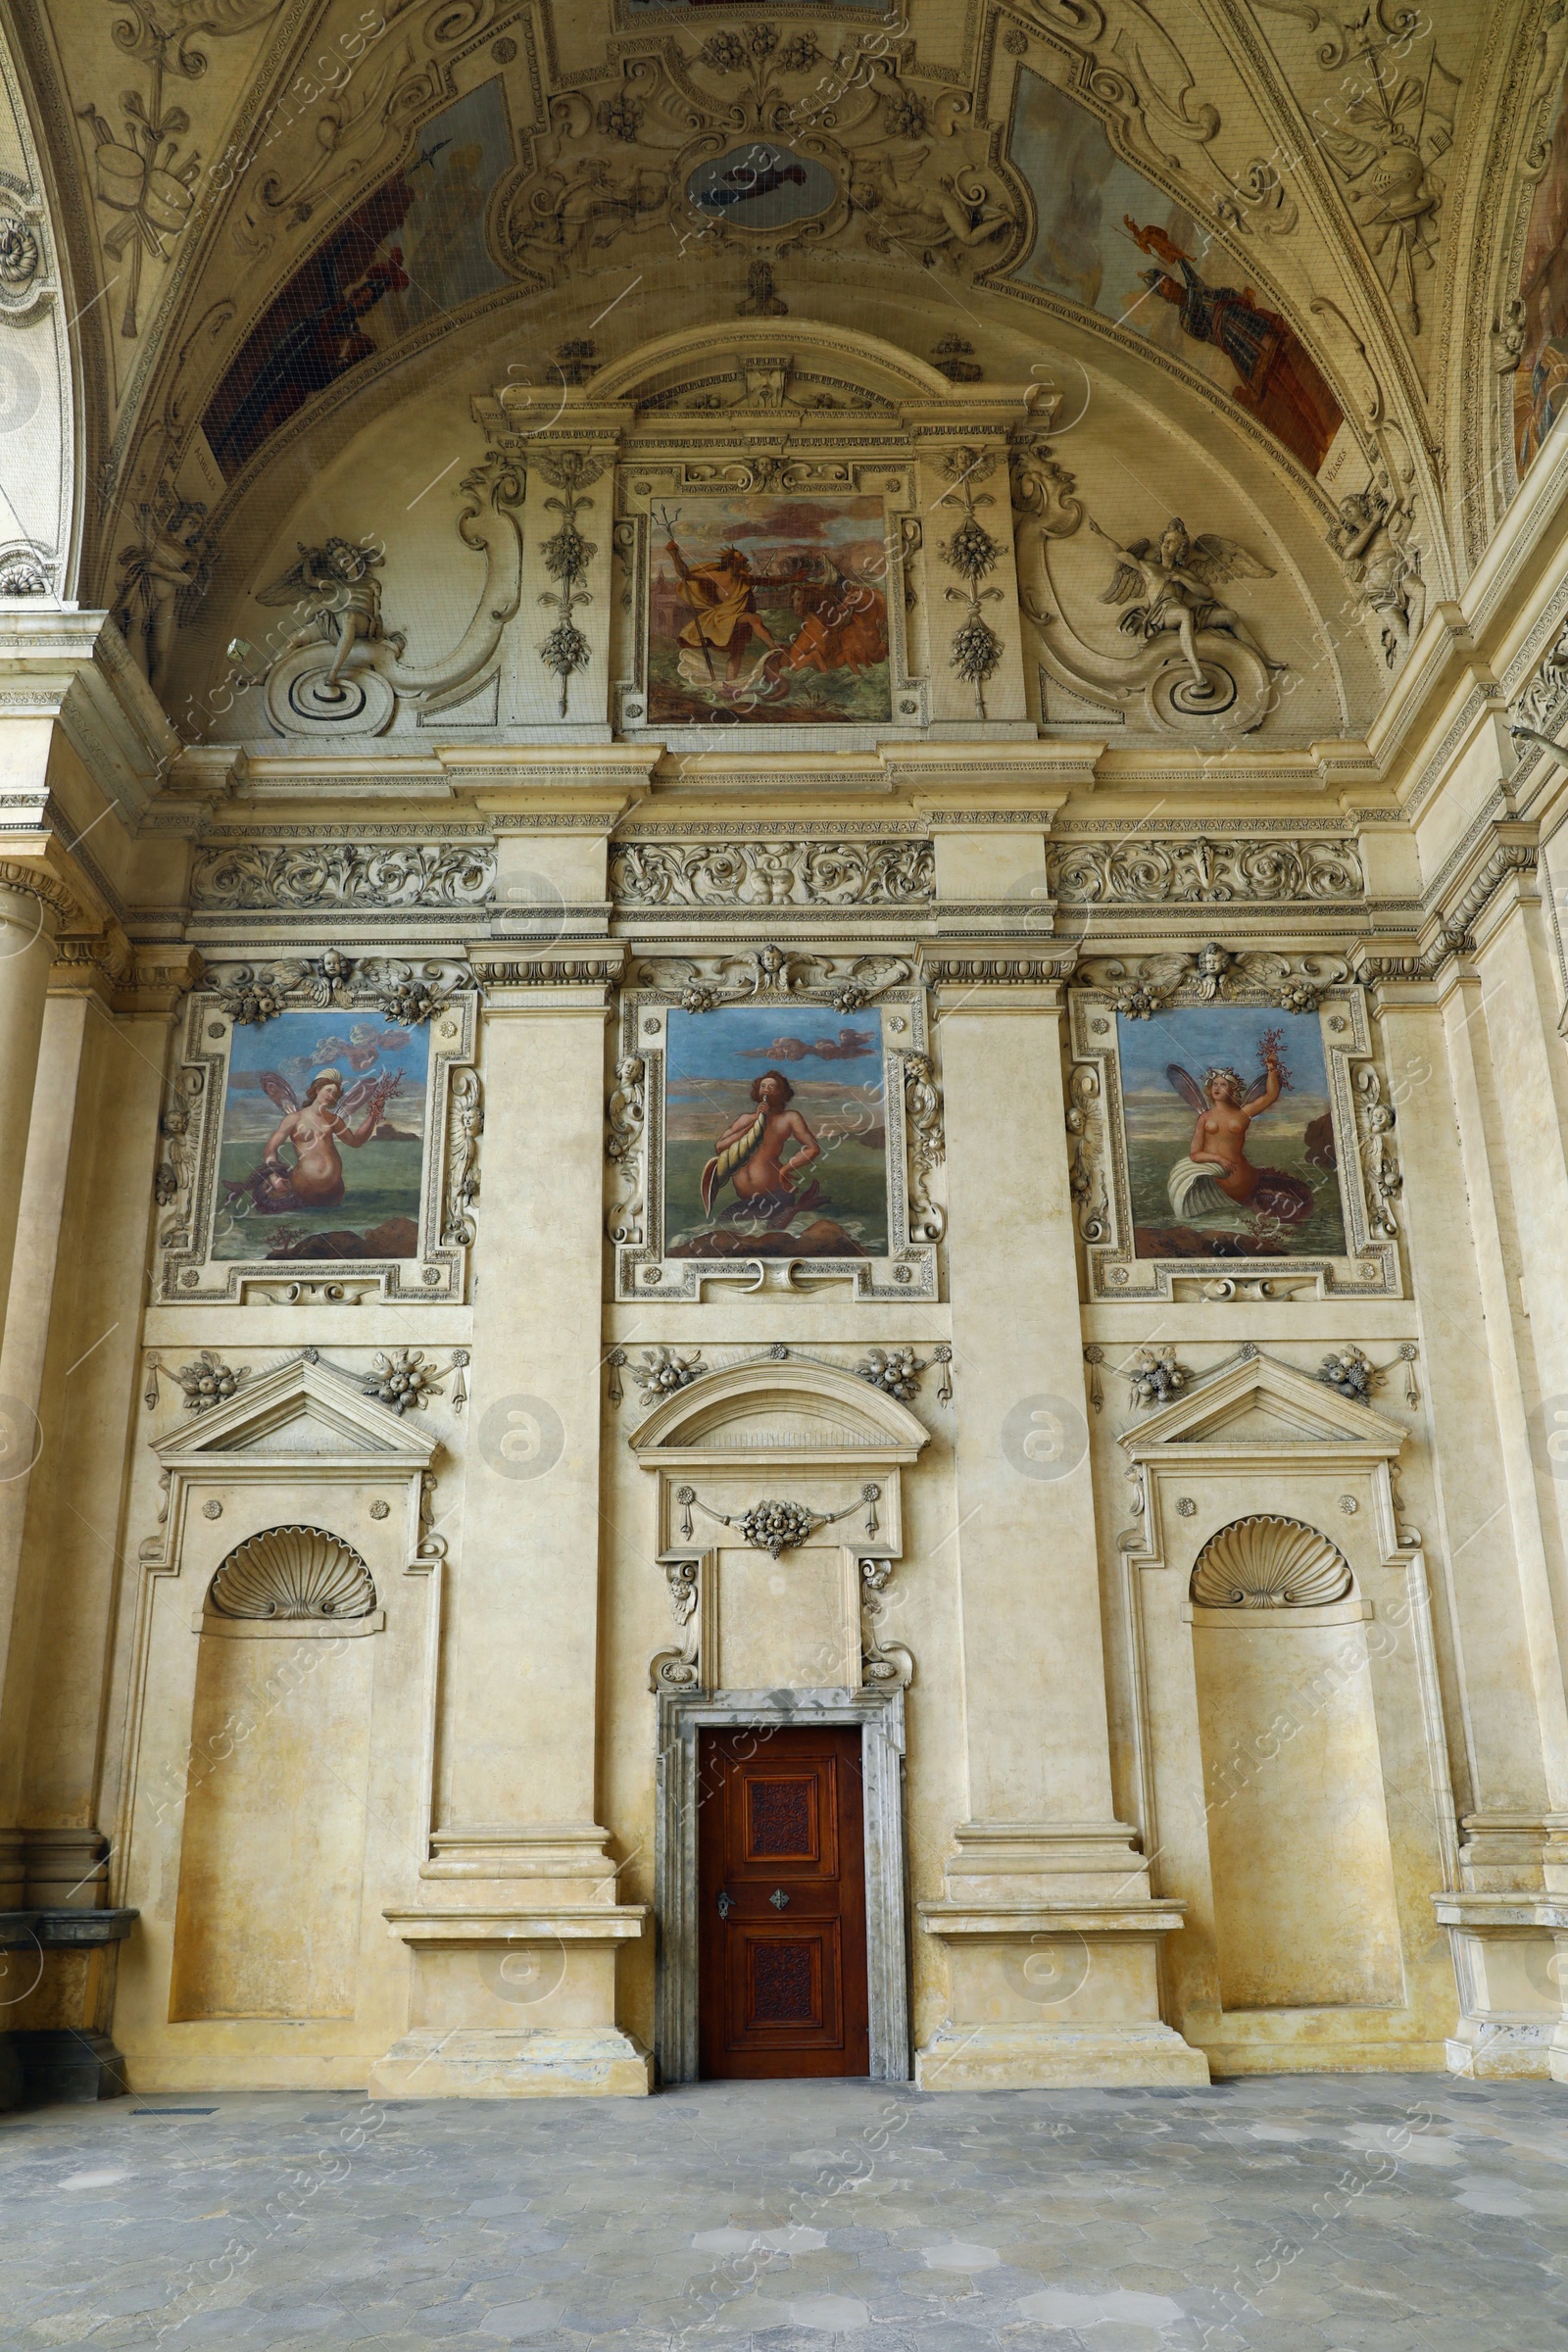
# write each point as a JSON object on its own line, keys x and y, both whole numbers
{"x": 1408, "y": 2212}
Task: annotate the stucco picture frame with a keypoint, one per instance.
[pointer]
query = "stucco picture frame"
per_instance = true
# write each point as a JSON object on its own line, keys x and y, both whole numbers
{"x": 874, "y": 996}
{"x": 1354, "y": 1159}
{"x": 197, "y": 1265}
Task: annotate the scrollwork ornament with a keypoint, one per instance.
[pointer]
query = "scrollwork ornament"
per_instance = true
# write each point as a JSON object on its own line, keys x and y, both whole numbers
{"x": 927, "y": 1145}
{"x": 680, "y": 1669}
{"x": 881, "y": 1660}
{"x": 624, "y": 1118}
{"x": 465, "y": 1125}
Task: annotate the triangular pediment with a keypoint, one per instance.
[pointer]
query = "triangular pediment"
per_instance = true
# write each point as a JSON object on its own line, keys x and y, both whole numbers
{"x": 1256, "y": 1401}
{"x": 304, "y": 1410}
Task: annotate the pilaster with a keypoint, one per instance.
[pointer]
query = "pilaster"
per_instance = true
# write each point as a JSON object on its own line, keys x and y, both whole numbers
{"x": 1047, "y": 1914}
{"x": 513, "y": 1936}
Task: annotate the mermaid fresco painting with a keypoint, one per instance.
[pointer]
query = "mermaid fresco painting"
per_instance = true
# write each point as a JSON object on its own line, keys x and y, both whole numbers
{"x": 323, "y": 1139}
{"x": 1229, "y": 1135}
{"x": 775, "y": 1142}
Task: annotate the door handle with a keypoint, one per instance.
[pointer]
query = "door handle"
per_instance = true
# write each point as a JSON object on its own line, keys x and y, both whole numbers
{"x": 727, "y": 1903}
{"x": 778, "y": 1899}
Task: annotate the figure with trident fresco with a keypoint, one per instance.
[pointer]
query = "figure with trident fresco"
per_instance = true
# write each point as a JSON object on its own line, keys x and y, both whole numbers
{"x": 722, "y": 595}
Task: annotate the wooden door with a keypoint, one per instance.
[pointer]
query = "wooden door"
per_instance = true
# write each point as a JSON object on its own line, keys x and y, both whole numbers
{"x": 781, "y": 1893}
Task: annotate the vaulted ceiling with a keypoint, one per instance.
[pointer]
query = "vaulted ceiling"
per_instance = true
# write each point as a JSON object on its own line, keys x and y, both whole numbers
{"x": 1313, "y": 243}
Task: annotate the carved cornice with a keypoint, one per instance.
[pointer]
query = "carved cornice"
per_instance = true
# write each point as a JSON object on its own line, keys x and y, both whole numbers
{"x": 949, "y": 970}
{"x": 38, "y": 883}
{"x": 1456, "y": 924}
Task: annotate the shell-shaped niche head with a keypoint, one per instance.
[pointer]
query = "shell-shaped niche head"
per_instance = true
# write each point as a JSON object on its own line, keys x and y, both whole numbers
{"x": 292, "y": 1572}
{"x": 1265, "y": 1562}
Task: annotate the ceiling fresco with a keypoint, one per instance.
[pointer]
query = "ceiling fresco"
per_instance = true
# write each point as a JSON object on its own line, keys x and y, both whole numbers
{"x": 1316, "y": 244}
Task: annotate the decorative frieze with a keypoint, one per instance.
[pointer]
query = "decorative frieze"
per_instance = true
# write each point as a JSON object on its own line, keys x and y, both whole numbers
{"x": 766, "y": 874}
{"x": 1169, "y": 870}
{"x": 359, "y": 874}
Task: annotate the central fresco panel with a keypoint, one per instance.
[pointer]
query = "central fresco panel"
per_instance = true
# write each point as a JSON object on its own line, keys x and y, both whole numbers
{"x": 769, "y": 609}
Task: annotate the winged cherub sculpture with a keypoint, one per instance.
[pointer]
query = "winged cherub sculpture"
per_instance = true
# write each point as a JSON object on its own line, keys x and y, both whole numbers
{"x": 1216, "y": 1173}
{"x": 337, "y": 588}
{"x": 1176, "y": 579}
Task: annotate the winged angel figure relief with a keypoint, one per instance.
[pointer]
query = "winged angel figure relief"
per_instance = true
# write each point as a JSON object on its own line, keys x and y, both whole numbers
{"x": 1176, "y": 579}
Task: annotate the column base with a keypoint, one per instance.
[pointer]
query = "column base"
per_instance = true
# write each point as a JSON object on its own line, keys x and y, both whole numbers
{"x": 1023, "y": 2057}
{"x": 1510, "y": 1955}
{"x": 537, "y": 2062}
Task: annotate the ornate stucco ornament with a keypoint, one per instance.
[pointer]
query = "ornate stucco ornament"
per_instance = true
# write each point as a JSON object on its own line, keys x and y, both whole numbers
{"x": 566, "y": 557}
{"x": 1267, "y": 1562}
{"x": 262, "y": 876}
{"x": 1351, "y": 1372}
{"x": 406, "y": 993}
{"x": 663, "y": 1373}
{"x": 1155, "y": 1376}
{"x": 776, "y": 1527}
{"x": 772, "y": 973}
{"x": 1168, "y": 870}
{"x": 881, "y": 1660}
{"x": 972, "y": 553}
{"x": 774, "y": 873}
{"x": 293, "y": 1572}
{"x": 206, "y": 1381}
{"x": 404, "y": 1380}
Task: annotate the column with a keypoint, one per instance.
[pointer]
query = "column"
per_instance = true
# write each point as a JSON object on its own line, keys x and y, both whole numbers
{"x": 28, "y": 923}
{"x": 1048, "y": 1915}
{"x": 514, "y": 1936}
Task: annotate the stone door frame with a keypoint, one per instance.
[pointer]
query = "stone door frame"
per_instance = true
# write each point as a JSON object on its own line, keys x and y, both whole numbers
{"x": 682, "y": 1715}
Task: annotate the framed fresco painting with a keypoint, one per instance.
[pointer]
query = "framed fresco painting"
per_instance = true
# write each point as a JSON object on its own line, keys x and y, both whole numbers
{"x": 1234, "y": 1140}
{"x": 775, "y": 1129}
{"x": 778, "y": 607}
{"x": 307, "y": 1152}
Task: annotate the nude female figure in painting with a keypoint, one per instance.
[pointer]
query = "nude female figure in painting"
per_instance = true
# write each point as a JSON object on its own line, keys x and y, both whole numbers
{"x": 315, "y": 1128}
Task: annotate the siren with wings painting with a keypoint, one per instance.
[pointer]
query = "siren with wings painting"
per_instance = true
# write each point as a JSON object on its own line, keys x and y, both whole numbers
{"x": 1176, "y": 581}
{"x": 1216, "y": 1169}
{"x": 313, "y": 1130}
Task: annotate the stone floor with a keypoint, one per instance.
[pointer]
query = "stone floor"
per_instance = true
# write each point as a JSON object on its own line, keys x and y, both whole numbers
{"x": 1405, "y": 2212}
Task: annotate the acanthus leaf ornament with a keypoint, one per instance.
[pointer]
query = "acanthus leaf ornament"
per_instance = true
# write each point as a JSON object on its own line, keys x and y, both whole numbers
{"x": 465, "y": 1124}
{"x": 680, "y": 1669}
{"x": 350, "y": 874}
{"x": 927, "y": 1147}
{"x": 624, "y": 1116}
{"x": 774, "y": 873}
{"x": 1200, "y": 869}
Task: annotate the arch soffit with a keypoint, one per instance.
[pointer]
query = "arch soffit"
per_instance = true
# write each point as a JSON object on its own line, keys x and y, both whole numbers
{"x": 780, "y": 1416}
